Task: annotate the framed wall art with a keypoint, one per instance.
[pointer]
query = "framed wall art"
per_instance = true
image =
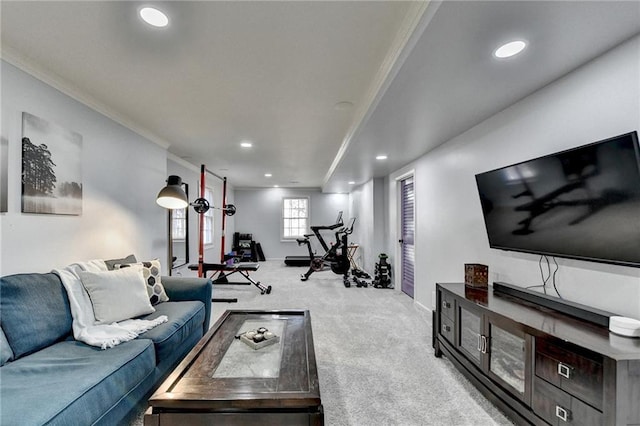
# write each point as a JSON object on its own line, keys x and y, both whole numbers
{"x": 51, "y": 168}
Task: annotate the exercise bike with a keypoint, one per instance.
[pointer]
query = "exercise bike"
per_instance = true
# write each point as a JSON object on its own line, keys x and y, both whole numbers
{"x": 336, "y": 257}
{"x": 304, "y": 260}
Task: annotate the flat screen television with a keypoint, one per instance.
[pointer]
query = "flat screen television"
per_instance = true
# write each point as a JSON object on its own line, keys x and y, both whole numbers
{"x": 583, "y": 203}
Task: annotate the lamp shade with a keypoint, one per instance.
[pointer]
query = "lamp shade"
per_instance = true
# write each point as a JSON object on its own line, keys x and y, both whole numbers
{"x": 173, "y": 196}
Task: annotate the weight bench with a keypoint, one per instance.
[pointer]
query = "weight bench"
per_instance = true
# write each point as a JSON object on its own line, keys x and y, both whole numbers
{"x": 223, "y": 271}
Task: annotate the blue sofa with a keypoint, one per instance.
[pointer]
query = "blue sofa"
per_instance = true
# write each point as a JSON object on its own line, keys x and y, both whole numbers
{"x": 47, "y": 377}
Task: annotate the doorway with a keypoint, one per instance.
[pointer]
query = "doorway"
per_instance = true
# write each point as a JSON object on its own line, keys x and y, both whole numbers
{"x": 407, "y": 235}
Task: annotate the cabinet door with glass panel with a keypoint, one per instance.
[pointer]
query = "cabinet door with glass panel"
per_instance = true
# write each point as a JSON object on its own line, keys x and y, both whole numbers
{"x": 470, "y": 337}
{"x": 497, "y": 347}
{"x": 508, "y": 354}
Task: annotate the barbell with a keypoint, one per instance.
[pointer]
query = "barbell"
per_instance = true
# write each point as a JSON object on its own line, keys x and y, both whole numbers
{"x": 201, "y": 205}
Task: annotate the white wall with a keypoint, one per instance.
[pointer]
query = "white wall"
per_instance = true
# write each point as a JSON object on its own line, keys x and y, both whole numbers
{"x": 597, "y": 101}
{"x": 366, "y": 203}
{"x": 361, "y": 207}
{"x": 122, "y": 173}
{"x": 260, "y": 212}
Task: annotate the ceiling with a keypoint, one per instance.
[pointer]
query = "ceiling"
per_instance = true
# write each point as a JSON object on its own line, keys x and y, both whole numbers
{"x": 319, "y": 87}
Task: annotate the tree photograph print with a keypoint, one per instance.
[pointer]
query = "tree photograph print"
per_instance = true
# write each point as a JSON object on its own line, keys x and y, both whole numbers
{"x": 51, "y": 168}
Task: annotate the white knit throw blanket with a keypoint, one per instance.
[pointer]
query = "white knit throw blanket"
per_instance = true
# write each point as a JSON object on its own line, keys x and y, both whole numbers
{"x": 101, "y": 335}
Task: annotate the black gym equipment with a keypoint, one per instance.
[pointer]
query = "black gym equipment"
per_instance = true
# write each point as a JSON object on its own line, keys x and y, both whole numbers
{"x": 336, "y": 257}
{"x": 201, "y": 206}
{"x": 355, "y": 269}
{"x": 173, "y": 191}
{"x": 223, "y": 270}
{"x": 244, "y": 247}
{"x": 299, "y": 260}
{"x": 359, "y": 282}
{"x": 306, "y": 260}
{"x": 383, "y": 273}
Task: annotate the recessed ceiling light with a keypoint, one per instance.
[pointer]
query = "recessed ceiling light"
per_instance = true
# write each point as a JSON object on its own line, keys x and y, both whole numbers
{"x": 276, "y": 186}
{"x": 381, "y": 157}
{"x": 268, "y": 175}
{"x": 510, "y": 49}
{"x": 351, "y": 182}
{"x": 246, "y": 144}
{"x": 154, "y": 17}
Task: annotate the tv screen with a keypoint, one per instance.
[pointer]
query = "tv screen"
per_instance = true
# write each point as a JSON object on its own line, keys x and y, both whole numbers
{"x": 583, "y": 203}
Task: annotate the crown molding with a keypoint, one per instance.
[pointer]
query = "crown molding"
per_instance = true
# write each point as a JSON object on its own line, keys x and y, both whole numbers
{"x": 61, "y": 84}
{"x": 182, "y": 162}
{"x": 280, "y": 188}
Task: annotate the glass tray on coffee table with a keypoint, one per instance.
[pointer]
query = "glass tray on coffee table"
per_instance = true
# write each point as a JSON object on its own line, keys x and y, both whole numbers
{"x": 242, "y": 360}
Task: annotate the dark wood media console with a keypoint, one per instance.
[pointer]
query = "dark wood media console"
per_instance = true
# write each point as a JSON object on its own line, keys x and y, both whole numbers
{"x": 537, "y": 364}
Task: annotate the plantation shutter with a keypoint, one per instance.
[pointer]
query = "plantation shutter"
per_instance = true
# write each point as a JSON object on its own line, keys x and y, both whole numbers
{"x": 408, "y": 227}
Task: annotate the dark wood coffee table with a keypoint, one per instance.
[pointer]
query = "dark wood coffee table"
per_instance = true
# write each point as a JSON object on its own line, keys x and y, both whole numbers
{"x": 224, "y": 381}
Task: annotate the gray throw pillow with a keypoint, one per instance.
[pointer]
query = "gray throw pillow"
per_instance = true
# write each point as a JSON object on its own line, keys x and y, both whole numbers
{"x": 112, "y": 262}
{"x": 117, "y": 295}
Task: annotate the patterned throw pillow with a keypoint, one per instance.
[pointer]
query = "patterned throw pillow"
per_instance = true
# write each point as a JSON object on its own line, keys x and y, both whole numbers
{"x": 151, "y": 273}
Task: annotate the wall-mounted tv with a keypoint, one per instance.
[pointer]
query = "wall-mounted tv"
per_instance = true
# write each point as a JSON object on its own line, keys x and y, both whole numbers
{"x": 583, "y": 203}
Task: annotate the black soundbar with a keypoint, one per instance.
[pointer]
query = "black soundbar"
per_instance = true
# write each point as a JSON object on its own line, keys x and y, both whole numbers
{"x": 576, "y": 310}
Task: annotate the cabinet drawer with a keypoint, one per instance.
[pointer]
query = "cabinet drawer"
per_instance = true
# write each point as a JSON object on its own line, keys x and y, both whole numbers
{"x": 575, "y": 371}
{"x": 560, "y": 408}
{"x": 447, "y": 305}
{"x": 446, "y": 328}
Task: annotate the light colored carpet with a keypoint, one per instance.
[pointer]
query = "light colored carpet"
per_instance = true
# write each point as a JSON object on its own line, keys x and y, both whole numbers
{"x": 373, "y": 349}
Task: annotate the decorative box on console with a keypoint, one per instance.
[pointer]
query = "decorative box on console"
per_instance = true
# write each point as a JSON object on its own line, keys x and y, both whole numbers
{"x": 476, "y": 275}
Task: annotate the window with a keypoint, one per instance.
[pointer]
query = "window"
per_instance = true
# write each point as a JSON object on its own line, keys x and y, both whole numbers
{"x": 208, "y": 217}
{"x": 295, "y": 217}
{"x": 178, "y": 224}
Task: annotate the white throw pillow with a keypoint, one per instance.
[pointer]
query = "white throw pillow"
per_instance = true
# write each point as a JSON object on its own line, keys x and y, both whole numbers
{"x": 117, "y": 295}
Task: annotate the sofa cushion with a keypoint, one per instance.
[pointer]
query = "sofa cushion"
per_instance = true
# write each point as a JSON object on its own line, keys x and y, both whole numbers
{"x": 185, "y": 319}
{"x": 117, "y": 295}
{"x": 35, "y": 311}
{"x": 72, "y": 383}
{"x": 6, "y": 354}
{"x": 191, "y": 288}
